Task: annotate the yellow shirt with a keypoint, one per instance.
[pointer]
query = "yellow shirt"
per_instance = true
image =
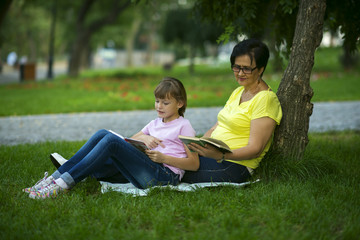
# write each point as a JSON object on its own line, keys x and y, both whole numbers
{"x": 234, "y": 120}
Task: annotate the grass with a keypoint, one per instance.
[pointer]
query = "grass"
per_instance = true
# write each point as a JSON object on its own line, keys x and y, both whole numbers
{"x": 129, "y": 89}
{"x": 315, "y": 198}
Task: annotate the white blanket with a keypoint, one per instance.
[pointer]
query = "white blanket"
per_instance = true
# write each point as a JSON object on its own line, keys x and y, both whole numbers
{"x": 128, "y": 188}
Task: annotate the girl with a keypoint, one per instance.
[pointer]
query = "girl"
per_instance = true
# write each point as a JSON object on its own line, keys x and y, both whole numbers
{"x": 106, "y": 155}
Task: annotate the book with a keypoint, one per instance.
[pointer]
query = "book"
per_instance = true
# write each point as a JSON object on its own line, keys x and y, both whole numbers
{"x": 136, "y": 143}
{"x": 206, "y": 140}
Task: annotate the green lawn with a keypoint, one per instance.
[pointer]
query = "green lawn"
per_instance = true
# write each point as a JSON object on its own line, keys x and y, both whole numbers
{"x": 316, "y": 198}
{"x": 129, "y": 89}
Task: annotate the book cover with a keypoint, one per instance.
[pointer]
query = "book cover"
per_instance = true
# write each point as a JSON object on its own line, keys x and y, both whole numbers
{"x": 136, "y": 143}
{"x": 204, "y": 140}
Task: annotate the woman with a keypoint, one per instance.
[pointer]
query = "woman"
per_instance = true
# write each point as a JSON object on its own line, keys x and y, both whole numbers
{"x": 246, "y": 123}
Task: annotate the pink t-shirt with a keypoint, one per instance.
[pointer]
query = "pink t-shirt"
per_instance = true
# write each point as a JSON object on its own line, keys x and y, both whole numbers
{"x": 168, "y": 133}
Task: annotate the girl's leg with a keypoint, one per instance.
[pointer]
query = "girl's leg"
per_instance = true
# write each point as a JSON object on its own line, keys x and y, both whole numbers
{"x": 130, "y": 162}
{"x": 109, "y": 173}
{"x": 211, "y": 171}
{"x": 83, "y": 151}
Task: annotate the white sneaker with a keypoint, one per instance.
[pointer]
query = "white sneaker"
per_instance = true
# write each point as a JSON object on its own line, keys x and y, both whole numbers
{"x": 42, "y": 183}
{"x": 57, "y": 159}
{"x": 52, "y": 190}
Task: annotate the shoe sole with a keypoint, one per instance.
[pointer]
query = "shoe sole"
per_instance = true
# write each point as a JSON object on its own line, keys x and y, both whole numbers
{"x": 54, "y": 161}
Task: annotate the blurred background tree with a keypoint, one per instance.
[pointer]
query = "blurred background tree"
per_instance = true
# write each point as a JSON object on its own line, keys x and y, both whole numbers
{"x": 25, "y": 26}
{"x": 4, "y": 6}
{"x": 344, "y": 16}
{"x": 88, "y": 17}
{"x": 84, "y": 26}
{"x": 184, "y": 29}
{"x": 152, "y": 25}
{"x": 275, "y": 20}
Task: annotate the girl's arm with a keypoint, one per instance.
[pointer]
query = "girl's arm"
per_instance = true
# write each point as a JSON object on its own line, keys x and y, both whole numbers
{"x": 191, "y": 162}
{"x": 208, "y": 133}
{"x": 261, "y": 131}
{"x": 150, "y": 141}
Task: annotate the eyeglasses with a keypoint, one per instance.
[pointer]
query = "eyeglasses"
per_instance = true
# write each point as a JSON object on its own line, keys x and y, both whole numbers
{"x": 246, "y": 70}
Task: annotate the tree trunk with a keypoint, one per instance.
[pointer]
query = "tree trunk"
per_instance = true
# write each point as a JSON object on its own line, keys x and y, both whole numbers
{"x": 77, "y": 53}
{"x": 150, "y": 47}
{"x": 52, "y": 40}
{"x": 192, "y": 54}
{"x": 348, "y": 59}
{"x": 294, "y": 91}
{"x": 32, "y": 46}
{"x": 130, "y": 41}
{"x": 4, "y": 7}
{"x": 277, "y": 62}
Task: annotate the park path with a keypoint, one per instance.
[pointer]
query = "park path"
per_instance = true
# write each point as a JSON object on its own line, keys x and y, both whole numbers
{"x": 14, "y": 130}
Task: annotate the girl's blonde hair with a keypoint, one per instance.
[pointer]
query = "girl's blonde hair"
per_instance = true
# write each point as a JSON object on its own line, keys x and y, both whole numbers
{"x": 172, "y": 87}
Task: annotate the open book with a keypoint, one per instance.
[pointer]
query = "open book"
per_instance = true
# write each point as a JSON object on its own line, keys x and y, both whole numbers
{"x": 136, "y": 143}
{"x": 206, "y": 140}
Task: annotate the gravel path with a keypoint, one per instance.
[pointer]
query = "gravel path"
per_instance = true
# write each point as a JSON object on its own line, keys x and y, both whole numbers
{"x": 79, "y": 126}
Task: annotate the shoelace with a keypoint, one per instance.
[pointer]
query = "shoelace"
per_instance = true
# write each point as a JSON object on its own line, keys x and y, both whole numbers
{"x": 45, "y": 176}
{"x": 49, "y": 187}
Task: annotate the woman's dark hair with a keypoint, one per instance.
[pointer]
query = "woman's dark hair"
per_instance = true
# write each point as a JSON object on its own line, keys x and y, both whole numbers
{"x": 255, "y": 49}
{"x": 172, "y": 87}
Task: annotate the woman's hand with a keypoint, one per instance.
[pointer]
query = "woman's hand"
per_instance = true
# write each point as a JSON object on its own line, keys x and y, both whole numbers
{"x": 156, "y": 156}
{"x": 207, "y": 151}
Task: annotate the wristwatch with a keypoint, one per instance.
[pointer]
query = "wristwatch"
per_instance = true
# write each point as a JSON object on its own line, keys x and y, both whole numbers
{"x": 222, "y": 159}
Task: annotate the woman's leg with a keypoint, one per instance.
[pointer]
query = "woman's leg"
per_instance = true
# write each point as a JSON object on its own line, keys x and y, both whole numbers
{"x": 211, "y": 171}
{"x": 130, "y": 162}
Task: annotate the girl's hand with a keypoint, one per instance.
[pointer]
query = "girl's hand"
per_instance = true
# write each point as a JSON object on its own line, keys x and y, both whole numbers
{"x": 207, "y": 151}
{"x": 156, "y": 156}
{"x": 150, "y": 141}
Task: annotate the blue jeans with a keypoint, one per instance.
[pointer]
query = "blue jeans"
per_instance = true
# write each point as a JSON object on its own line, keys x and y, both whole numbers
{"x": 211, "y": 171}
{"x": 107, "y": 156}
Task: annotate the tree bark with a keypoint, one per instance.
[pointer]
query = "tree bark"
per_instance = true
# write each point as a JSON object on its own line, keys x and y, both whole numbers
{"x": 295, "y": 93}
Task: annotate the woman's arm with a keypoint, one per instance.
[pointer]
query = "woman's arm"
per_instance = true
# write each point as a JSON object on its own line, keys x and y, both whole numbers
{"x": 191, "y": 162}
{"x": 209, "y": 132}
{"x": 261, "y": 131}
